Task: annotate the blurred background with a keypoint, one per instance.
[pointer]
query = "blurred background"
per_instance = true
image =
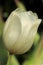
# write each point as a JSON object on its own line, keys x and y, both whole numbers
{"x": 6, "y": 7}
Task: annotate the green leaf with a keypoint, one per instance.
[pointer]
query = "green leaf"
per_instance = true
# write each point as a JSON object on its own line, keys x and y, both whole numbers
{"x": 1, "y": 28}
{"x": 21, "y": 6}
{"x": 33, "y": 61}
{"x": 37, "y": 39}
{"x": 36, "y": 58}
{"x": 3, "y": 52}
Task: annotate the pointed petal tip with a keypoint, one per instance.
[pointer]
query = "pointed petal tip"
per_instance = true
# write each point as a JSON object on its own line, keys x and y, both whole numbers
{"x": 39, "y": 21}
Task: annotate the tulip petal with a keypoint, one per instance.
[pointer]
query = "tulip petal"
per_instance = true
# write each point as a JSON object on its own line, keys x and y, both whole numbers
{"x": 11, "y": 31}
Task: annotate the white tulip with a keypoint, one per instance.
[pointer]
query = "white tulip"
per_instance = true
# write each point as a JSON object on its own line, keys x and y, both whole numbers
{"x": 20, "y": 30}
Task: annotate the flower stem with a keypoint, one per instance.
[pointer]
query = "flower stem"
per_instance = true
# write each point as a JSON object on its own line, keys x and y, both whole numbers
{"x": 12, "y": 60}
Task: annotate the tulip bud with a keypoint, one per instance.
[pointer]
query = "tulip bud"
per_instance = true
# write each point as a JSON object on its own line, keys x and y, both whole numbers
{"x": 20, "y": 30}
